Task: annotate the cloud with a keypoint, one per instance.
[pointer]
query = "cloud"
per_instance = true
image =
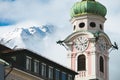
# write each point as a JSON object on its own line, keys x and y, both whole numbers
{"x": 7, "y": 0}
{"x": 45, "y": 1}
{"x": 23, "y": 10}
{"x": 45, "y": 10}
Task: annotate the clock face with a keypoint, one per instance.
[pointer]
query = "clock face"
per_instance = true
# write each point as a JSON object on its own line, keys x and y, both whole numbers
{"x": 102, "y": 44}
{"x": 81, "y": 43}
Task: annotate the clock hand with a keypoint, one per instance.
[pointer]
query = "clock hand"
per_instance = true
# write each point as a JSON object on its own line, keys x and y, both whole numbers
{"x": 79, "y": 40}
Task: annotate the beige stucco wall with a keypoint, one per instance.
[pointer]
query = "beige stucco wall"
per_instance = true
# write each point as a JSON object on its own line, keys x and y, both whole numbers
{"x": 20, "y": 75}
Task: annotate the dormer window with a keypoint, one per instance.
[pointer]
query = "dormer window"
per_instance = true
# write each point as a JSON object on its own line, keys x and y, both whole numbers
{"x": 36, "y": 66}
{"x": 69, "y": 77}
{"x": 50, "y": 73}
{"x": 43, "y": 70}
{"x": 63, "y": 76}
{"x": 28, "y": 63}
{"x": 57, "y": 74}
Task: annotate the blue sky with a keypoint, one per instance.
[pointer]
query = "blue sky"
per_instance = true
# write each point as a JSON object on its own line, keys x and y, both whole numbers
{"x": 57, "y": 12}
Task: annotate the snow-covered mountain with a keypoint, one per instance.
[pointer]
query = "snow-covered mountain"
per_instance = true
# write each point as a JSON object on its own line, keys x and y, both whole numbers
{"x": 32, "y": 38}
{"x": 40, "y": 39}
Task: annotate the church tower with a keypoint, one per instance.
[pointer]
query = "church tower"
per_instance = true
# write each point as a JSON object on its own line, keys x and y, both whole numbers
{"x": 88, "y": 45}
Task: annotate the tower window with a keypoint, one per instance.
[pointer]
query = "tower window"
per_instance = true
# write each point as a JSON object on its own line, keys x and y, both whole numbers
{"x": 92, "y": 24}
{"x": 81, "y": 62}
{"x": 74, "y": 27}
{"x": 81, "y": 25}
{"x": 101, "y": 64}
{"x": 101, "y": 27}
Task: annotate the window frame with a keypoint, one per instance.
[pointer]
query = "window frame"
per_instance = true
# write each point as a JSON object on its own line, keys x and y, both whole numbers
{"x": 101, "y": 64}
{"x": 81, "y": 25}
{"x": 28, "y": 63}
{"x": 69, "y": 77}
{"x": 92, "y": 24}
{"x": 36, "y": 66}
{"x": 50, "y": 72}
{"x": 81, "y": 63}
{"x": 64, "y": 77}
{"x": 43, "y": 69}
{"x": 57, "y": 74}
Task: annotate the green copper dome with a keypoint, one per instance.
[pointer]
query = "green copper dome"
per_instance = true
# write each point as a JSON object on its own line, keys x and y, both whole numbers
{"x": 88, "y": 7}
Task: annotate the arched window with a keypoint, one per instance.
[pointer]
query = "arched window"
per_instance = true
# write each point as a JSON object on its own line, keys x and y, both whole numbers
{"x": 101, "y": 64}
{"x": 81, "y": 63}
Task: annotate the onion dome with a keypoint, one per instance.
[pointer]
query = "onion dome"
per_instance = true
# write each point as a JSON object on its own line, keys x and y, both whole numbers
{"x": 88, "y": 7}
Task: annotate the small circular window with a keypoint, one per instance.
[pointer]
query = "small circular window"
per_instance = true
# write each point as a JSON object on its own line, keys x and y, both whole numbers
{"x": 74, "y": 27}
{"x": 92, "y": 24}
{"x": 101, "y": 27}
{"x": 81, "y": 25}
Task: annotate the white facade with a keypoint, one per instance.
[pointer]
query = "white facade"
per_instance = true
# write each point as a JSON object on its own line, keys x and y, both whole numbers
{"x": 99, "y": 20}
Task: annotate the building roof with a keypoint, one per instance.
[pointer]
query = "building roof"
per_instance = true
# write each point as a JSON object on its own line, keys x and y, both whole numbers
{"x": 88, "y": 7}
{"x": 46, "y": 59}
{"x": 32, "y": 53}
{"x": 4, "y": 49}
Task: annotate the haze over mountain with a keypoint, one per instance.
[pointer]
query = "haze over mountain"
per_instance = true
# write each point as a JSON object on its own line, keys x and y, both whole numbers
{"x": 40, "y": 39}
{"x": 29, "y": 37}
